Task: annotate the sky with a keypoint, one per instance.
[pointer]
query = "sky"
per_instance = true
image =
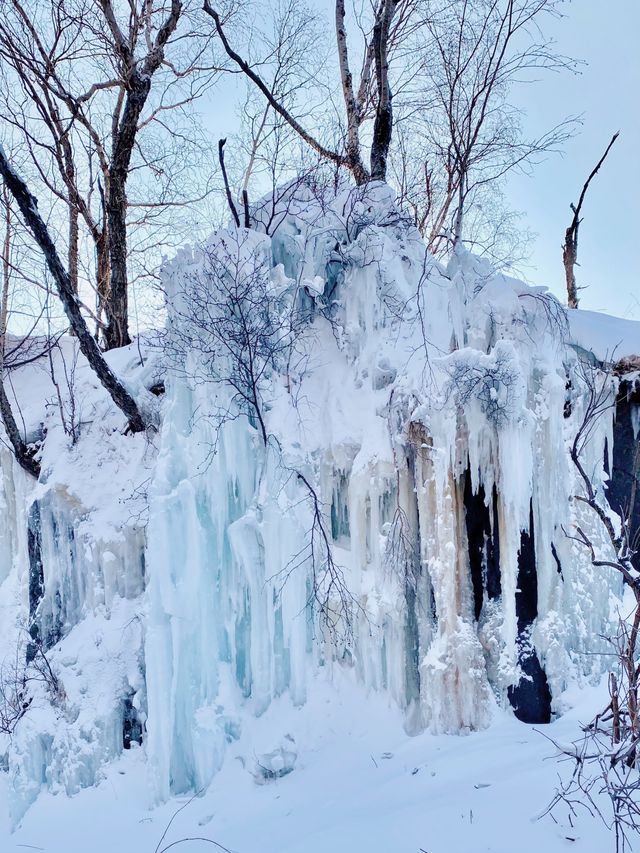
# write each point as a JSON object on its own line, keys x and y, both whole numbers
{"x": 607, "y": 94}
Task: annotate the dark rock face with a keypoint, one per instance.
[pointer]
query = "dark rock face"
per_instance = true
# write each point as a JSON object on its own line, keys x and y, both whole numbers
{"x": 36, "y": 577}
{"x": 527, "y": 592}
{"x": 531, "y": 697}
{"x": 484, "y": 543}
{"x": 623, "y": 491}
{"x": 132, "y": 727}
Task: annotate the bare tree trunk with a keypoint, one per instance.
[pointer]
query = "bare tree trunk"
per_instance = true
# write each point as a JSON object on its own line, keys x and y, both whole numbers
{"x": 73, "y": 246}
{"x": 353, "y": 157}
{"x": 245, "y": 205}
{"x": 20, "y": 449}
{"x": 459, "y": 220}
{"x": 6, "y": 274}
{"x": 70, "y": 175}
{"x": 138, "y": 77}
{"x": 227, "y": 188}
{"x": 117, "y": 304}
{"x": 103, "y": 273}
{"x": 28, "y": 205}
{"x": 570, "y": 245}
{"x": 570, "y": 259}
{"x": 383, "y": 125}
{"x": 73, "y": 250}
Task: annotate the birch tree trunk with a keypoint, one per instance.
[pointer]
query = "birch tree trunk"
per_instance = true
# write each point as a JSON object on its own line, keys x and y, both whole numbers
{"x": 28, "y": 205}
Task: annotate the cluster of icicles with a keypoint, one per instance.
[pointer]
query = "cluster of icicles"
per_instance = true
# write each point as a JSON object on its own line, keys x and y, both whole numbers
{"x": 420, "y": 434}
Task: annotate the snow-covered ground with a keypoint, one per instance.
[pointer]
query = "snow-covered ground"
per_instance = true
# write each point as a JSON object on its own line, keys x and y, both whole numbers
{"x": 359, "y": 785}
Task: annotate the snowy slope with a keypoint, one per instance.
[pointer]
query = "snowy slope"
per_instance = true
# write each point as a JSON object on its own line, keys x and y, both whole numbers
{"x": 359, "y": 785}
{"x": 608, "y": 338}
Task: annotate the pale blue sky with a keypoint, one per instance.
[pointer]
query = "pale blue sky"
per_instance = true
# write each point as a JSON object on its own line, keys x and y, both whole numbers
{"x": 607, "y": 92}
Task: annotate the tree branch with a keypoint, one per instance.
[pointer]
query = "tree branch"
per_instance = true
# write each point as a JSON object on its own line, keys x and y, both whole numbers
{"x": 232, "y": 207}
{"x": 333, "y": 156}
{"x": 28, "y": 205}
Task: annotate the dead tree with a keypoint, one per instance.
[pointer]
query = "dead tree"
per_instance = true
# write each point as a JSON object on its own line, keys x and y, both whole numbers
{"x": 28, "y": 205}
{"x": 570, "y": 246}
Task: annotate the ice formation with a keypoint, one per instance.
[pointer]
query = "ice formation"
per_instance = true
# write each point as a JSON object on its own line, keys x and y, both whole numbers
{"x": 365, "y": 468}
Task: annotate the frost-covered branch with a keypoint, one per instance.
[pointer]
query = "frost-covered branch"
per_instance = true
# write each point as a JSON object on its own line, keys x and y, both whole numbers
{"x": 229, "y": 314}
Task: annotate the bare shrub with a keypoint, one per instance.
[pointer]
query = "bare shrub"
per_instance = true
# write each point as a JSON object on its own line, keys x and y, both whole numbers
{"x": 606, "y": 757}
{"x": 29, "y": 665}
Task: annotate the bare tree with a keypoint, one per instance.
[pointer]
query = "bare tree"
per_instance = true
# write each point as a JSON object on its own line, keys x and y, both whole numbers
{"x": 432, "y": 102}
{"x": 371, "y": 99}
{"x": 27, "y": 667}
{"x": 570, "y": 247}
{"x": 267, "y": 152}
{"x": 460, "y": 132}
{"x": 29, "y": 208}
{"x": 87, "y": 89}
{"x": 228, "y": 313}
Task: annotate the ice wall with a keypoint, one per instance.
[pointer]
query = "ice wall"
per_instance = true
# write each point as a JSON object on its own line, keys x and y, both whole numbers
{"x": 72, "y": 577}
{"x": 430, "y": 409}
{"x": 384, "y": 488}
